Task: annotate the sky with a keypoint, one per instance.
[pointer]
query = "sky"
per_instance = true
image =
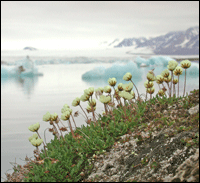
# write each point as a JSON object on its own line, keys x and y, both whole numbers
{"x": 86, "y": 24}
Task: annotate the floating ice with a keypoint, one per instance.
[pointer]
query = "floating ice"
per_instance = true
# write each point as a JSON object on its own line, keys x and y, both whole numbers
{"x": 117, "y": 70}
{"x": 23, "y": 68}
{"x": 100, "y": 75}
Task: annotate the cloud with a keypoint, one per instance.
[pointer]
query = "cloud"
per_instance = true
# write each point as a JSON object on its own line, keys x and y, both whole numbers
{"x": 93, "y": 20}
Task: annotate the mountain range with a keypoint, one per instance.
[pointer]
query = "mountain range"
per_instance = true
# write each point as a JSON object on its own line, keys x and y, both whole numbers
{"x": 172, "y": 43}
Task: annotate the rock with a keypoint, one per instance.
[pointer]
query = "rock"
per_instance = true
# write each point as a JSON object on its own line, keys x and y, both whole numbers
{"x": 194, "y": 110}
{"x": 188, "y": 171}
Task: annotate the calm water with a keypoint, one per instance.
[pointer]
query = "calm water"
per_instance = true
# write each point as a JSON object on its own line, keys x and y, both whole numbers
{"x": 25, "y": 101}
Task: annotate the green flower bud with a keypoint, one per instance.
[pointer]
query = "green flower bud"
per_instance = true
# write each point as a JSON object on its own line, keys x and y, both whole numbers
{"x": 127, "y": 76}
{"x": 112, "y": 81}
{"x": 47, "y": 117}
{"x": 104, "y": 99}
{"x": 185, "y": 64}
{"x": 76, "y": 101}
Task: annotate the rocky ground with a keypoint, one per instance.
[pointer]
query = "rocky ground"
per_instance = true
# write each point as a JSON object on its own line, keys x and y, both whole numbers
{"x": 156, "y": 152}
{"x": 166, "y": 155}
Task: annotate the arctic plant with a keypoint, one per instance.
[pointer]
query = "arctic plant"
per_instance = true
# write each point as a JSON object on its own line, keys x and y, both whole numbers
{"x": 79, "y": 147}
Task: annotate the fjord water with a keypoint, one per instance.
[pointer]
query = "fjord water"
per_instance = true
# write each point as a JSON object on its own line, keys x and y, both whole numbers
{"x": 25, "y": 100}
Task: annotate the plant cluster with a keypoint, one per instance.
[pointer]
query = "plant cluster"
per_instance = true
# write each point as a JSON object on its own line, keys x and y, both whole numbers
{"x": 70, "y": 157}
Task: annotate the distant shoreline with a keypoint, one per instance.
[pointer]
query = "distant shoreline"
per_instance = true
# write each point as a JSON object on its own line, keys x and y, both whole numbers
{"x": 190, "y": 59}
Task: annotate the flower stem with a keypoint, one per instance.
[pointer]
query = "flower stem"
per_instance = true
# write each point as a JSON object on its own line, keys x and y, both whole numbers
{"x": 83, "y": 111}
{"x": 184, "y": 84}
{"x": 71, "y": 129}
{"x": 178, "y": 85}
{"x": 136, "y": 89}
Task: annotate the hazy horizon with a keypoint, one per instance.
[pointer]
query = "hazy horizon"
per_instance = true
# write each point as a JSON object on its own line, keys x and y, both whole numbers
{"x": 84, "y": 25}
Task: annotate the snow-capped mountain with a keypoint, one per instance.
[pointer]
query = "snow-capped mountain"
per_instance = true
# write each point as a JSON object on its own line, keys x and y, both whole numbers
{"x": 173, "y": 43}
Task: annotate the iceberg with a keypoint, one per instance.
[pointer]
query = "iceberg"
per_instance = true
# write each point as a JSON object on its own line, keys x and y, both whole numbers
{"x": 117, "y": 70}
{"x": 22, "y": 68}
{"x": 100, "y": 75}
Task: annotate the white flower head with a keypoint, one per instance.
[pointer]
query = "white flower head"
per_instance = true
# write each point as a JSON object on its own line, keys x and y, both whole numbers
{"x": 112, "y": 81}
{"x": 125, "y": 95}
{"x": 148, "y": 84}
{"x": 107, "y": 89}
{"x": 127, "y": 76}
{"x": 54, "y": 117}
{"x": 104, "y": 99}
{"x": 178, "y": 71}
{"x": 89, "y": 91}
{"x": 172, "y": 65}
{"x": 127, "y": 87}
{"x": 66, "y": 115}
{"x": 165, "y": 73}
{"x": 84, "y": 97}
{"x": 76, "y": 102}
{"x": 34, "y": 127}
{"x": 151, "y": 76}
{"x": 150, "y": 90}
{"x": 47, "y": 117}
{"x": 120, "y": 86}
{"x": 185, "y": 64}
{"x": 34, "y": 136}
{"x": 36, "y": 142}
{"x": 159, "y": 79}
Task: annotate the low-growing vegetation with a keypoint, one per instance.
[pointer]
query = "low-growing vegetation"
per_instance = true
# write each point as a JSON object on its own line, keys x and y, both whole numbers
{"x": 71, "y": 157}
